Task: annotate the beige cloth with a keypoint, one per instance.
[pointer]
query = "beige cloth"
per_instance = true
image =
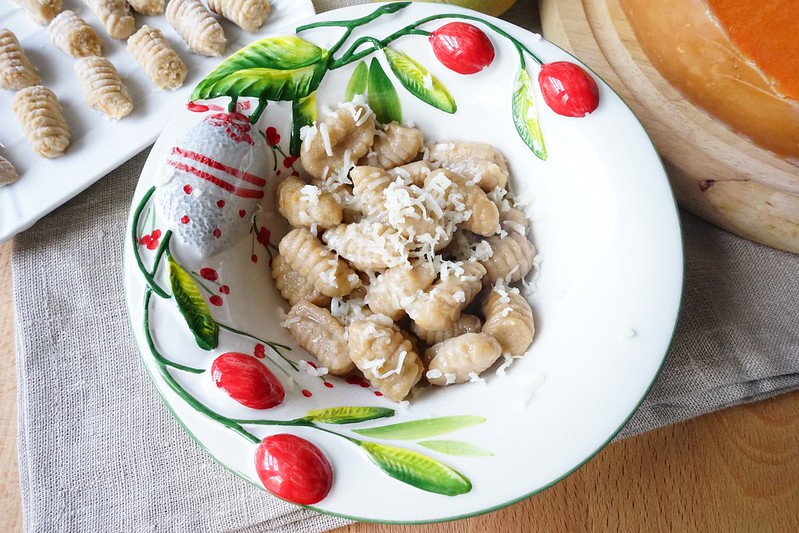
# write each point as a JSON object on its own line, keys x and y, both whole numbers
{"x": 100, "y": 452}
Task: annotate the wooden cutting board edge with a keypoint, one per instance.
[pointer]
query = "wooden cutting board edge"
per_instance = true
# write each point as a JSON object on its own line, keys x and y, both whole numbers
{"x": 715, "y": 173}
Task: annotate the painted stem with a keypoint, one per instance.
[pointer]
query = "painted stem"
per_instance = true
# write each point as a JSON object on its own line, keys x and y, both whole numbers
{"x": 297, "y": 422}
{"x": 163, "y": 362}
{"x": 259, "y": 109}
{"x": 351, "y": 55}
{"x": 148, "y": 276}
{"x": 158, "y": 357}
{"x": 275, "y": 346}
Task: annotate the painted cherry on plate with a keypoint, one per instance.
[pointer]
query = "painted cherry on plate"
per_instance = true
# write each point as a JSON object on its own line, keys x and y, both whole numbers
{"x": 568, "y": 89}
{"x": 247, "y": 380}
{"x": 293, "y": 469}
{"x": 462, "y": 47}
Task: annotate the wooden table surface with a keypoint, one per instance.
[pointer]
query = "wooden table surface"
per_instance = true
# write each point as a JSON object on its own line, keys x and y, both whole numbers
{"x": 735, "y": 470}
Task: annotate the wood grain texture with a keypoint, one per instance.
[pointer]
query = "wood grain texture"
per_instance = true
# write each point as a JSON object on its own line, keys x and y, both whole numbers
{"x": 735, "y": 470}
{"x": 716, "y": 174}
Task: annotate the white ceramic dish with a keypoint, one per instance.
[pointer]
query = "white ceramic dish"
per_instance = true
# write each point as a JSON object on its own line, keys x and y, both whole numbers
{"x": 97, "y": 145}
{"x": 606, "y": 304}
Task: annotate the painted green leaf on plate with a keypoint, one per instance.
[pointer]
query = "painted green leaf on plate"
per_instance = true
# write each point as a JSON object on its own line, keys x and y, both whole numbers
{"x": 192, "y": 306}
{"x": 418, "y": 470}
{"x": 348, "y": 415}
{"x": 420, "y": 429}
{"x": 383, "y": 97}
{"x": 303, "y": 113}
{"x": 357, "y": 83}
{"x": 419, "y": 81}
{"x": 277, "y": 68}
{"x": 456, "y": 447}
{"x": 524, "y": 116}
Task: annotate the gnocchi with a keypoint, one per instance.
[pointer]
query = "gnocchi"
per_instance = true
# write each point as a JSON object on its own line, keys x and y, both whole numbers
{"x": 403, "y": 234}
{"x": 102, "y": 88}
{"x": 147, "y": 7}
{"x": 158, "y": 60}
{"x": 115, "y": 17}
{"x": 248, "y": 15}
{"x": 73, "y": 35}
{"x": 385, "y": 356}
{"x": 509, "y": 319}
{"x": 316, "y": 330}
{"x": 16, "y": 70}
{"x": 40, "y": 11}
{"x": 39, "y": 114}
{"x": 196, "y": 26}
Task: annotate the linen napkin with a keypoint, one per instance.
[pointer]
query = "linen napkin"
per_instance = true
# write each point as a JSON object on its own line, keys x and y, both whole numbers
{"x": 99, "y": 451}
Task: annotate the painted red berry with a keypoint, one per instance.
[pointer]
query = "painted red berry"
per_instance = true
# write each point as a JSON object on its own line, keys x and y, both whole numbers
{"x": 242, "y": 213}
{"x": 307, "y": 393}
{"x": 197, "y": 108}
{"x": 187, "y": 189}
{"x": 289, "y": 161}
{"x": 216, "y": 300}
{"x": 260, "y": 351}
{"x": 247, "y": 380}
{"x": 568, "y": 89}
{"x": 209, "y": 273}
{"x": 264, "y": 235}
{"x": 293, "y": 469}
{"x": 272, "y": 136}
{"x": 254, "y": 258}
{"x": 328, "y": 385}
{"x": 224, "y": 289}
{"x": 185, "y": 219}
{"x": 217, "y": 233}
{"x": 220, "y": 203}
{"x": 462, "y": 47}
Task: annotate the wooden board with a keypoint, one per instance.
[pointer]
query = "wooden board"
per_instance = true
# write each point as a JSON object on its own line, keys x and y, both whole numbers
{"x": 715, "y": 173}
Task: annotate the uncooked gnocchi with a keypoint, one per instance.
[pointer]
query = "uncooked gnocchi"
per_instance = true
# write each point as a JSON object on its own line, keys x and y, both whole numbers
{"x": 8, "y": 174}
{"x": 73, "y": 35}
{"x": 39, "y": 114}
{"x": 40, "y": 11}
{"x": 198, "y": 28}
{"x": 248, "y": 15}
{"x": 403, "y": 234}
{"x": 158, "y": 60}
{"x": 115, "y": 17}
{"x": 147, "y": 7}
{"x": 102, "y": 88}
{"x": 16, "y": 70}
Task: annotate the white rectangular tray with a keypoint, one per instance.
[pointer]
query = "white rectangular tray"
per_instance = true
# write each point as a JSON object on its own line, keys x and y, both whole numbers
{"x": 97, "y": 145}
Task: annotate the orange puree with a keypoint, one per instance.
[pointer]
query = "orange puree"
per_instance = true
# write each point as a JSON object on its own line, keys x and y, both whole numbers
{"x": 766, "y": 31}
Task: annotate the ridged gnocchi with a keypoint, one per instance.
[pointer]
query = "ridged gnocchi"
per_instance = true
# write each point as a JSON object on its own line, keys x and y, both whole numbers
{"x": 248, "y": 15}
{"x": 385, "y": 357}
{"x": 512, "y": 258}
{"x": 391, "y": 291}
{"x": 102, "y": 88}
{"x": 115, "y": 17}
{"x": 465, "y": 324}
{"x": 158, "y": 60}
{"x": 462, "y": 358}
{"x": 367, "y": 245}
{"x": 438, "y": 308}
{"x": 197, "y": 27}
{"x": 331, "y": 276}
{"x": 16, "y": 70}
{"x": 307, "y": 206}
{"x": 394, "y": 146}
{"x": 73, "y": 36}
{"x": 338, "y": 141}
{"x": 478, "y": 162}
{"x": 316, "y": 330}
{"x": 39, "y": 113}
{"x": 509, "y": 319}
{"x": 293, "y": 286}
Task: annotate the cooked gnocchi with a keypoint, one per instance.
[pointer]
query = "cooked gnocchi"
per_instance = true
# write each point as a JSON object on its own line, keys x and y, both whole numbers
{"x": 435, "y": 237}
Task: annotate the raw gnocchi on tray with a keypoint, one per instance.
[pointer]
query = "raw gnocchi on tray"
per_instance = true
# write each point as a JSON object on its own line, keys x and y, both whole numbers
{"x": 402, "y": 256}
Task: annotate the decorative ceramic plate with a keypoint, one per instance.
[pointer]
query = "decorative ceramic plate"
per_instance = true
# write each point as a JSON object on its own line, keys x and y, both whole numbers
{"x": 606, "y": 295}
{"x": 97, "y": 145}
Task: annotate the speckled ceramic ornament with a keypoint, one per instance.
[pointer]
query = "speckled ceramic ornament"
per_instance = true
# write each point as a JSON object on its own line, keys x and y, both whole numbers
{"x": 218, "y": 177}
